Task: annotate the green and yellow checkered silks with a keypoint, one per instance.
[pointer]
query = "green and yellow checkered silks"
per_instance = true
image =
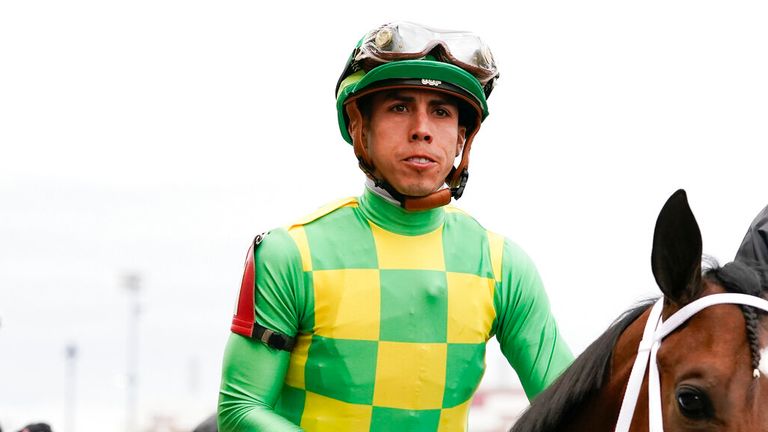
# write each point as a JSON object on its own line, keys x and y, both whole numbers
{"x": 392, "y": 311}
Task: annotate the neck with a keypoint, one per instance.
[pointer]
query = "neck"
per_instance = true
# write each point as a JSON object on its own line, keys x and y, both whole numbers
{"x": 371, "y": 186}
{"x": 380, "y": 208}
{"x": 438, "y": 198}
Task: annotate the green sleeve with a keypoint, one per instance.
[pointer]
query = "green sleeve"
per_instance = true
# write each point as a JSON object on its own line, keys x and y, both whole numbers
{"x": 253, "y": 373}
{"x": 281, "y": 298}
{"x": 525, "y": 327}
{"x": 251, "y": 379}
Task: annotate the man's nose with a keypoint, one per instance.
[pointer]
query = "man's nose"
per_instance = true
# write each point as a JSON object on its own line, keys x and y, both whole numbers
{"x": 420, "y": 127}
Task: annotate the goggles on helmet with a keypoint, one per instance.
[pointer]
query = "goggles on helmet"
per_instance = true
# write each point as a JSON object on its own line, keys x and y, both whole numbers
{"x": 405, "y": 41}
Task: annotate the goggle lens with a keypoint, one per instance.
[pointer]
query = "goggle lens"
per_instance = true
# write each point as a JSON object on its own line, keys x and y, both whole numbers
{"x": 404, "y": 40}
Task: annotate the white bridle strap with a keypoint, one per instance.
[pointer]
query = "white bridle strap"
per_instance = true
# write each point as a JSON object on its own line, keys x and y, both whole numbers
{"x": 638, "y": 370}
{"x": 692, "y": 308}
{"x": 649, "y": 347}
{"x": 654, "y": 391}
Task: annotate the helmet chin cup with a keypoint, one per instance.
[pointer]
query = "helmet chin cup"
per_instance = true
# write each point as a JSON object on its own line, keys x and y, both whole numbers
{"x": 458, "y": 191}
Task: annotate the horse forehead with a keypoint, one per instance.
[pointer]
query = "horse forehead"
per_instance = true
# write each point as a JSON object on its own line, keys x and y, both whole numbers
{"x": 719, "y": 320}
{"x": 717, "y": 333}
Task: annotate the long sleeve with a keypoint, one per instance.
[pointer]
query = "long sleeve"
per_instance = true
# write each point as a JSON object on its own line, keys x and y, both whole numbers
{"x": 253, "y": 373}
{"x": 526, "y": 329}
{"x": 252, "y": 376}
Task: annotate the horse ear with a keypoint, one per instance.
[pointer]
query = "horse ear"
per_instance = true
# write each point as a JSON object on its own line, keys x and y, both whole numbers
{"x": 676, "y": 255}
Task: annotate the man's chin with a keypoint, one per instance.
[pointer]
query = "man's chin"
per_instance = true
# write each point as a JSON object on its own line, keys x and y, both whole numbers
{"x": 417, "y": 190}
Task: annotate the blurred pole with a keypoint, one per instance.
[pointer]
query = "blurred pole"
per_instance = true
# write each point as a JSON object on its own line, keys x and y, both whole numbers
{"x": 132, "y": 282}
{"x": 71, "y": 355}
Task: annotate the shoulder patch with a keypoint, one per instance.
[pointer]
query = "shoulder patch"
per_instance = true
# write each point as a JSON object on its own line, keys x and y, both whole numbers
{"x": 324, "y": 210}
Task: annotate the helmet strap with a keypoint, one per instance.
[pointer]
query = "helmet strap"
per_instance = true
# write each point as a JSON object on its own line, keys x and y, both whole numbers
{"x": 456, "y": 179}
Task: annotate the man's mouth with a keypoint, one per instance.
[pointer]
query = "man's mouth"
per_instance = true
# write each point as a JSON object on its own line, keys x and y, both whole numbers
{"x": 419, "y": 159}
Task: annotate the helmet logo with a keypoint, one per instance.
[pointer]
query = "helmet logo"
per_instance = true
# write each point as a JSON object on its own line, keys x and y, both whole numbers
{"x": 434, "y": 83}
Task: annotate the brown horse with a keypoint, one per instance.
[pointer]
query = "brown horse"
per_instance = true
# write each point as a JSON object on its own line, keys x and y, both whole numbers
{"x": 709, "y": 368}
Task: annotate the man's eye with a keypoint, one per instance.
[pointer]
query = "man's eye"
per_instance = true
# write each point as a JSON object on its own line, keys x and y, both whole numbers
{"x": 399, "y": 108}
{"x": 441, "y": 112}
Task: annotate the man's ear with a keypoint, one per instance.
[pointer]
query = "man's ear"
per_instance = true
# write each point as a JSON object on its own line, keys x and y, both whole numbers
{"x": 460, "y": 140}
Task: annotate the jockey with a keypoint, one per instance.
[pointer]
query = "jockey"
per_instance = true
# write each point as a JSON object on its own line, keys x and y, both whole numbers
{"x": 754, "y": 247}
{"x": 374, "y": 312}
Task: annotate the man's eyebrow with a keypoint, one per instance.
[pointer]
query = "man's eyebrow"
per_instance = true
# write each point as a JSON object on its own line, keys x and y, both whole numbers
{"x": 442, "y": 101}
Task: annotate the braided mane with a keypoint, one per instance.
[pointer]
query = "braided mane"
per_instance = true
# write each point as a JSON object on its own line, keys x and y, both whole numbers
{"x": 738, "y": 278}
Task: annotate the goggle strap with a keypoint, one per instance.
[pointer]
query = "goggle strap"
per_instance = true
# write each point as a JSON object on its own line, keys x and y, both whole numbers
{"x": 440, "y": 51}
{"x": 349, "y": 69}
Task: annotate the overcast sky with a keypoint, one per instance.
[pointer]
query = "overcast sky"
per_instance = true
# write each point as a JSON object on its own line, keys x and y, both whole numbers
{"x": 159, "y": 136}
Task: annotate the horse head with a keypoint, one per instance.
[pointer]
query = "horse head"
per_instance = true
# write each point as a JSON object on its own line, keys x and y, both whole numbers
{"x": 709, "y": 368}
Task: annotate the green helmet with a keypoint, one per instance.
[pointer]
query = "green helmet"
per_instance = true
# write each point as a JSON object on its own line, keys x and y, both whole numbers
{"x": 402, "y": 54}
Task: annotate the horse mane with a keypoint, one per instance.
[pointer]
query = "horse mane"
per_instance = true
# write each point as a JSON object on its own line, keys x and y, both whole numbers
{"x": 738, "y": 277}
{"x": 555, "y": 405}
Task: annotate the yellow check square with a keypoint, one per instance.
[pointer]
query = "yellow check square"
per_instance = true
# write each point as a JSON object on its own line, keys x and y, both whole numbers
{"x": 347, "y": 303}
{"x": 401, "y": 252}
{"x": 297, "y": 362}
{"x": 410, "y": 375}
{"x": 346, "y": 417}
{"x": 299, "y": 236}
{"x": 470, "y": 308}
{"x": 496, "y": 244}
{"x": 454, "y": 419}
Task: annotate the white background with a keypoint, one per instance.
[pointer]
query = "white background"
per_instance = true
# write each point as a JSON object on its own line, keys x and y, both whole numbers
{"x": 160, "y": 136}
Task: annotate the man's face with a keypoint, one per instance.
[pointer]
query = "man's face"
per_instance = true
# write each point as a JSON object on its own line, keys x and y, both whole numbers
{"x": 413, "y": 137}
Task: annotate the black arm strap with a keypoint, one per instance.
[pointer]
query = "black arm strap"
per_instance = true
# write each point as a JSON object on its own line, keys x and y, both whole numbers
{"x": 274, "y": 340}
{"x": 261, "y": 333}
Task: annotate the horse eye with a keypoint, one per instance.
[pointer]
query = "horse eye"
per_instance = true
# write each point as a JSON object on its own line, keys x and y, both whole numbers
{"x": 694, "y": 403}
